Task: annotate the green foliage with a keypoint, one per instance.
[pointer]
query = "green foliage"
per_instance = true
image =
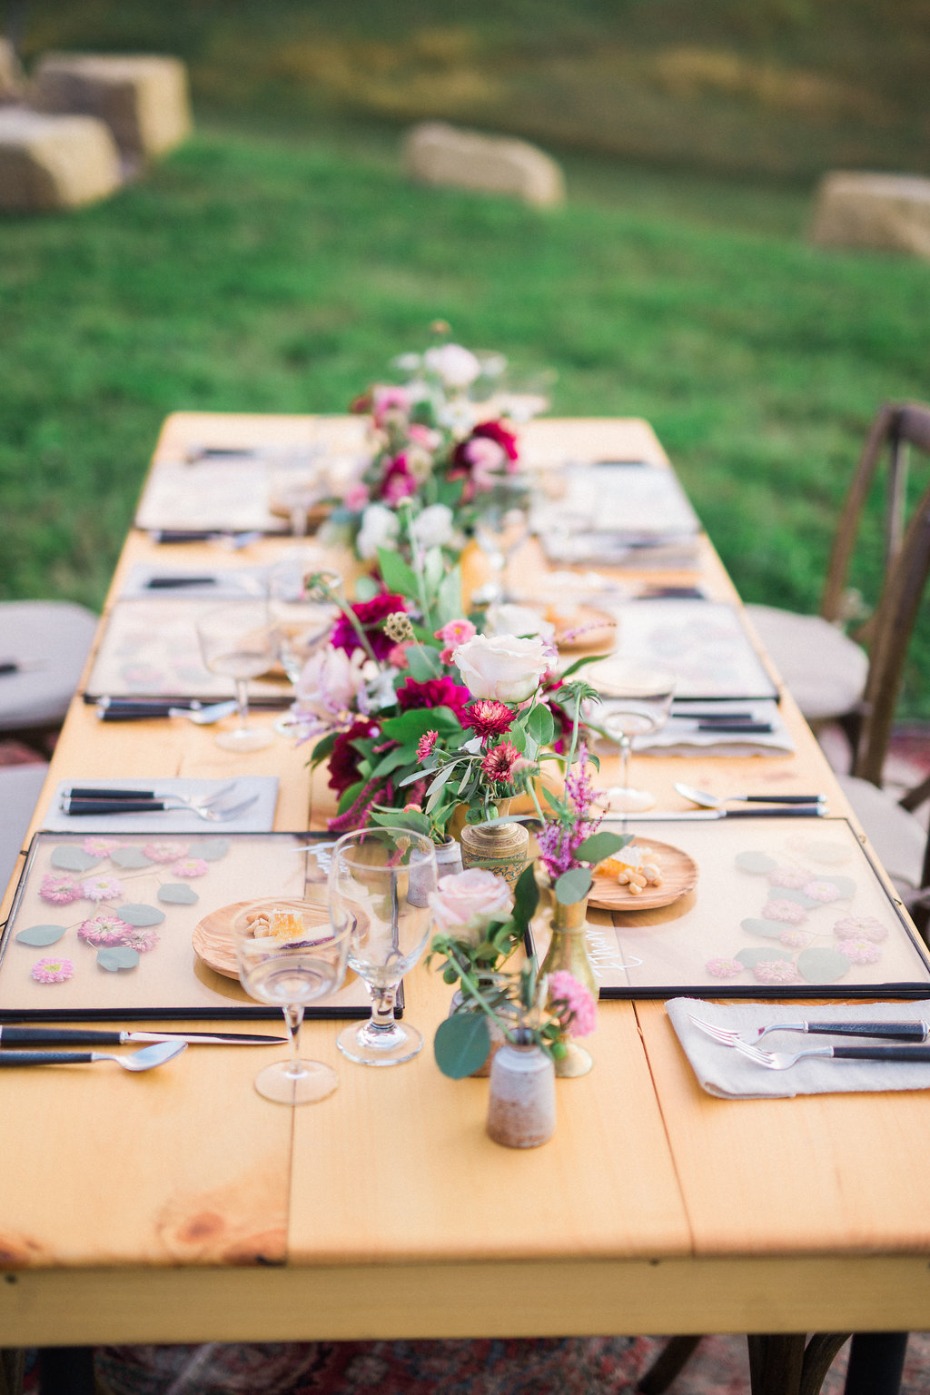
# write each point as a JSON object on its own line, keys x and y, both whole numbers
{"x": 461, "y": 1044}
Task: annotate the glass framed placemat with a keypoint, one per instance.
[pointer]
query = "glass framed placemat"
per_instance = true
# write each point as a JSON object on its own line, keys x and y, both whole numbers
{"x": 752, "y": 908}
{"x": 223, "y": 493}
{"x": 148, "y": 649}
{"x": 139, "y": 926}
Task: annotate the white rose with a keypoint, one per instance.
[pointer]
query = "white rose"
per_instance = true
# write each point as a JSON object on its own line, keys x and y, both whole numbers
{"x": 465, "y": 902}
{"x": 380, "y": 526}
{"x": 454, "y": 366}
{"x": 502, "y": 666}
{"x": 508, "y": 619}
{"x": 434, "y": 526}
{"x": 329, "y": 683}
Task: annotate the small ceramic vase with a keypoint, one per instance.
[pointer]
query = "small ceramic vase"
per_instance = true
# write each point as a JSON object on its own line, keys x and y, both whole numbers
{"x": 521, "y": 1103}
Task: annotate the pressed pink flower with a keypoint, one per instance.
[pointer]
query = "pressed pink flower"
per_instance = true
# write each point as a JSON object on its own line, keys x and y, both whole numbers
{"x": 791, "y": 911}
{"x": 724, "y": 968}
{"x": 103, "y": 929}
{"x": 775, "y": 971}
{"x": 190, "y": 867}
{"x": 860, "y": 927}
{"x": 426, "y": 743}
{"x": 52, "y": 970}
{"x": 501, "y": 762}
{"x": 794, "y": 939}
{"x": 165, "y": 851}
{"x": 99, "y": 847}
{"x": 860, "y": 951}
{"x": 59, "y": 889}
{"x": 822, "y": 891}
{"x": 788, "y": 877}
{"x": 102, "y": 888}
{"x": 488, "y": 717}
{"x": 141, "y": 939}
{"x": 574, "y": 1005}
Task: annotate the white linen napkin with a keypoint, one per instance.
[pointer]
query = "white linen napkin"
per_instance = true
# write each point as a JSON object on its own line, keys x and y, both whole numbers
{"x": 680, "y": 736}
{"x": 723, "y": 1072}
{"x": 258, "y": 818}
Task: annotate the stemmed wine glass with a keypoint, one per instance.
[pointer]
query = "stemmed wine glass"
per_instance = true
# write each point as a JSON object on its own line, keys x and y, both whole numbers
{"x": 501, "y": 526}
{"x": 640, "y": 698}
{"x": 235, "y": 640}
{"x": 298, "y": 622}
{"x": 290, "y": 955}
{"x": 380, "y": 882}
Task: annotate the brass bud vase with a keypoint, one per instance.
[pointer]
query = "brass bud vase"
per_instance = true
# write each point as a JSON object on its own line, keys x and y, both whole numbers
{"x": 568, "y": 947}
{"x": 502, "y": 848}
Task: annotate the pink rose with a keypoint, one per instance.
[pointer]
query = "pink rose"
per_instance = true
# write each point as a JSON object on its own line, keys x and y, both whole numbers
{"x": 465, "y": 902}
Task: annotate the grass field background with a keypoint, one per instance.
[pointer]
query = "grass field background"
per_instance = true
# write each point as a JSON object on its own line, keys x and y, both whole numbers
{"x": 280, "y": 259}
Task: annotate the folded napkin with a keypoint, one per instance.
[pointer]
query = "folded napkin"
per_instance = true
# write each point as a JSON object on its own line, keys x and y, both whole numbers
{"x": 203, "y": 583}
{"x": 258, "y": 818}
{"x": 723, "y": 1072}
{"x": 680, "y": 735}
{"x": 671, "y": 553}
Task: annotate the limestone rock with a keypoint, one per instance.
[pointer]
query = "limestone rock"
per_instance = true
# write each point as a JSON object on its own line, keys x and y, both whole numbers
{"x": 435, "y": 153}
{"x": 142, "y": 98}
{"x": 888, "y": 212}
{"x": 49, "y": 162}
{"x": 11, "y": 75}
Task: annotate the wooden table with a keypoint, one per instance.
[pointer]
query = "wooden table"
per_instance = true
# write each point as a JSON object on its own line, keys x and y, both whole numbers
{"x": 181, "y": 1207}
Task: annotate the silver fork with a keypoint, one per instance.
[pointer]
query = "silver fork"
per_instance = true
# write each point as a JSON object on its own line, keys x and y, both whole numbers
{"x": 728, "y": 1037}
{"x": 905, "y": 1030}
{"x": 208, "y": 809}
{"x": 784, "y": 1060}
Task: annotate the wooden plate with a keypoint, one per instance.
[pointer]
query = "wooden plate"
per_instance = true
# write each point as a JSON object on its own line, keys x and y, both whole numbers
{"x": 215, "y": 943}
{"x": 679, "y": 876}
{"x": 584, "y": 628}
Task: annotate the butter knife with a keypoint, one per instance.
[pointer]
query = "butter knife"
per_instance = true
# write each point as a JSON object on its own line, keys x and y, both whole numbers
{"x": 50, "y": 1036}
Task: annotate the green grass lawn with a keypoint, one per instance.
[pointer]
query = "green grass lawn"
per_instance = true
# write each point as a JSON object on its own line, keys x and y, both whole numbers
{"x": 275, "y": 272}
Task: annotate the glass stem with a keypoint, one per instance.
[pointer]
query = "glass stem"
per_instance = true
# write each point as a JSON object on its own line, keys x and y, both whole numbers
{"x": 382, "y": 1009}
{"x": 625, "y": 745}
{"x": 242, "y": 701}
{"x": 294, "y": 1016}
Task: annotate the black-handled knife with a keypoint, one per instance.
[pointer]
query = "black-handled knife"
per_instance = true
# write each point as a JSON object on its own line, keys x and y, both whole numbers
{"x": 50, "y": 1036}
{"x": 116, "y": 806}
{"x": 170, "y": 583}
{"x": 877, "y": 1053}
{"x": 95, "y": 792}
{"x": 901, "y": 1031}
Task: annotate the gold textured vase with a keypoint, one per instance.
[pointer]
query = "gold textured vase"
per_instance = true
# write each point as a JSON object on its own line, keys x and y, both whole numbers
{"x": 568, "y": 950}
{"x": 502, "y": 848}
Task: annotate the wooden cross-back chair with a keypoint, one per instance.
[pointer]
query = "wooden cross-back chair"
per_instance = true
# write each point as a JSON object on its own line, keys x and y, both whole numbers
{"x": 824, "y": 668}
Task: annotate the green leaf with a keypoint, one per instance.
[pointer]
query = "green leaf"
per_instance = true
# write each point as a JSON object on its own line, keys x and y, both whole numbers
{"x": 526, "y": 896}
{"x": 423, "y": 662}
{"x": 177, "y": 894}
{"x": 539, "y": 725}
{"x": 601, "y": 845}
{"x": 349, "y": 796}
{"x": 129, "y": 858}
{"x": 461, "y": 1044}
{"x": 117, "y": 958}
{"x": 135, "y": 913}
{"x": 70, "y": 859}
{"x": 822, "y": 964}
{"x": 396, "y": 574}
{"x": 449, "y": 599}
{"x": 38, "y": 936}
{"x": 394, "y": 760}
{"x": 411, "y": 725}
{"x": 366, "y": 588}
{"x": 403, "y": 818}
{"x": 323, "y": 748}
{"x": 212, "y": 849}
{"x": 434, "y": 569}
{"x": 573, "y": 885}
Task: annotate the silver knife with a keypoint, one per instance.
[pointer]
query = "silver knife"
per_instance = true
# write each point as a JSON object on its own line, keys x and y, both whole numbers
{"x": 50, "y": 1036}
{"x": 795, "y": 811}
{"x": 904, "y": 1030}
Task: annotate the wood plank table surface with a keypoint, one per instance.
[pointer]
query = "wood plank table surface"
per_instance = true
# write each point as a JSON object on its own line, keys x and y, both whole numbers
{"x": 180, "y": 1206}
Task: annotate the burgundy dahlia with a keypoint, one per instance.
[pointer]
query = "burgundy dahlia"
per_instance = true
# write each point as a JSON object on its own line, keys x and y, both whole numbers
{"x": 488, "y": 717}
{"x": 500, "y": 762}
{"x": 371, "y": 616}
{"x": 344, "y": 758}
{"x": 434, "y": 692}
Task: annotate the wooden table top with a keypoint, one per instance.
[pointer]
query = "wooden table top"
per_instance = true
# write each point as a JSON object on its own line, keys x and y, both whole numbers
{"x": 180, "y": 1206}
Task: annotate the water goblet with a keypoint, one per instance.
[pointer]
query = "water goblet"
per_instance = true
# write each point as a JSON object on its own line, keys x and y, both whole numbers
{"x": 290, "y": 955}
{"x": 640, "y": 698}
{"x": 380, "y": 882}
{"x": 235, "y": 640}
{"x": 299, "y": 623}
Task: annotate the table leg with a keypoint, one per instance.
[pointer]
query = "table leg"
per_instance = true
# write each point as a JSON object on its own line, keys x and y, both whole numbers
{"x": 792, "y": 1364}
{"x": 66, "y": 1371}
{"x": 876, "y": 1363}
{"x": 12, "y": 1365}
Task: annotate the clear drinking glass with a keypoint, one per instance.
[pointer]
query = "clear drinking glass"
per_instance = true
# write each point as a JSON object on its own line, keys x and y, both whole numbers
{"x": 290, "y": 955}
{"x": 638, "y": 698}
{"x": 235, "y": 640}
{"x": 380, "y": 882}
{"x": 501, "y": 527}
{"x": 298, "y": 623}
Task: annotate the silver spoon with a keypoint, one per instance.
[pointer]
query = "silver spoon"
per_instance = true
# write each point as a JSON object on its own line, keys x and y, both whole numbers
{"x": 146, "y": 1059}
{"x": 716, "y": 801}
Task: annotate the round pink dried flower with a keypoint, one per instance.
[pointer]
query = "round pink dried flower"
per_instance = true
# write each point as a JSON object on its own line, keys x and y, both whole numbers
{"x": 822, "y": 891}
{"x": 99, "y": 847}
{"x": 500, "y": 763}
{"x": 52, "y": 970}
{"x": 103, "y": 929}
{"x": 860, "y": 951}
{"x": 788, "y": 877}
{"x": 781, "y": 909}
{"x": 141, "y": 939}
{"x": 426, "y": 743}
{"x": 488, "y": 717}
{"x": 60, "y": 890}
{"x": 860, "y": 927}
{"x": 794, "y": 939}
{"x": 164, "y": 851}
{"x": 102, "y": 888}
{"x": 574, "y": 1005}
{"x": 724, "y": 968}
{"x": 775, "y": 971}
{"x": 191, "y": 867}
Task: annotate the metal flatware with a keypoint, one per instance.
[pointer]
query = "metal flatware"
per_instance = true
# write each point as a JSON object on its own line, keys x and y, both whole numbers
{"x": 717, "y": 801}
{"x": 217, "y": 814}
{"x": 146, "y": 1059}
{"x": 897, "y": 1031}
{"x": 132, "y": 709}
{"x": 784, "y": 1060}
{"x": 781, "y": 811}
{"x": 97, "y": 792}
{"x": 92, "y": 1036}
